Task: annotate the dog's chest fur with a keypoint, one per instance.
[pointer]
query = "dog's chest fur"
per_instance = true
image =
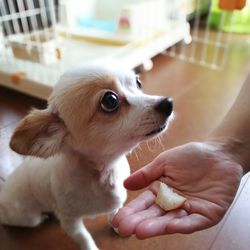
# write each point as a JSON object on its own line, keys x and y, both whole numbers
{"x": 90, "y": 191}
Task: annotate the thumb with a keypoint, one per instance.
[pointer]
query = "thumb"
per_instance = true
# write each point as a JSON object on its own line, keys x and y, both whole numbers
{"x": 145, "y": 176}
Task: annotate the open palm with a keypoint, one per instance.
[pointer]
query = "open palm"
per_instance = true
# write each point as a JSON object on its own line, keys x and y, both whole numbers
{"x": 201, "y": 172}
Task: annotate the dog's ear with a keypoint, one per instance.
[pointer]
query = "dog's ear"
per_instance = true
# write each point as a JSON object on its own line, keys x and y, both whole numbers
{"x": 40, "y": 133}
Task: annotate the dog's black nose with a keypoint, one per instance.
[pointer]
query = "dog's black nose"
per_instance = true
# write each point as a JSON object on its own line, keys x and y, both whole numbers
{"x": 165, "y": 106}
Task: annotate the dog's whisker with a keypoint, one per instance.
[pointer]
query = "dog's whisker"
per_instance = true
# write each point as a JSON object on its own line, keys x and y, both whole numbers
{"x": 159, "y": 140}
{"x": 149, "y": 145}
{"x": 136, "y": 155}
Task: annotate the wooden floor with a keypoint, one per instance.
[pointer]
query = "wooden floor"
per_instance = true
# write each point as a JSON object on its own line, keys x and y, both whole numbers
{"x": 201, "y": 98}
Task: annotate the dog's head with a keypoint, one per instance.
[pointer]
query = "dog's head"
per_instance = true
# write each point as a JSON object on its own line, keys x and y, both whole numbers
{"x": 93, "y": 110}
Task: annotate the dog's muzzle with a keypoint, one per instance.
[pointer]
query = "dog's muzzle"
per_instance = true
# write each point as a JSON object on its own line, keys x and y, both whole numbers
{"x": 165, "y": 106}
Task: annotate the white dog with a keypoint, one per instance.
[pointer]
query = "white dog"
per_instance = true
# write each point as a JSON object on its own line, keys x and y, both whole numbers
{"x": 77, "y": 166}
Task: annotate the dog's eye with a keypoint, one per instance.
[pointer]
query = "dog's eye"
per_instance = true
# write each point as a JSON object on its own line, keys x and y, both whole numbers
{"x": 110, "y": 102}
{"x": 138, "y": 82}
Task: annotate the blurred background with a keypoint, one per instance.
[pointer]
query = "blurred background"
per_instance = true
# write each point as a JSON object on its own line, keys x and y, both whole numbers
{"x": 40, "y": 39}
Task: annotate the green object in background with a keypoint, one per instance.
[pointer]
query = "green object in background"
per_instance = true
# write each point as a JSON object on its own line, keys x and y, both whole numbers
{"x": 230, "y": 21}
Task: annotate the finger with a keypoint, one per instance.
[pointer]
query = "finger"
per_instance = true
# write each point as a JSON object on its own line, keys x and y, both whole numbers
{"x": 145, "y": 176}
{"x": 157, "y": 226}
{"x": 188, "y": 224}
{"x": 127, "y": 225}
{"x": 142, "y": 202}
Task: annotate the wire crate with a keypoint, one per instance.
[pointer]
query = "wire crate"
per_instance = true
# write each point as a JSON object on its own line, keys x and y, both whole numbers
{"x": 40, "y": 39}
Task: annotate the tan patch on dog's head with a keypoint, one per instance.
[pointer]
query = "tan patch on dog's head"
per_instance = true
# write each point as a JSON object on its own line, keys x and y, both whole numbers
{"x": 79, "y": 106}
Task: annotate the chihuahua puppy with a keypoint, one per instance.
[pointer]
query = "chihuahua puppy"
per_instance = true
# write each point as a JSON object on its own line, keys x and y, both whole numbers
{"x": 76, "y": 148}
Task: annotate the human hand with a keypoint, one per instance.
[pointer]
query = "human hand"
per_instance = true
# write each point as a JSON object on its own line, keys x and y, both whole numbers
{"x": 201, "y": 172}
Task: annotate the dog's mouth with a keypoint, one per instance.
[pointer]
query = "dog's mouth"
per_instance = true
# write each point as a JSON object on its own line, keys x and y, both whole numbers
{"x": 158, "y": 130}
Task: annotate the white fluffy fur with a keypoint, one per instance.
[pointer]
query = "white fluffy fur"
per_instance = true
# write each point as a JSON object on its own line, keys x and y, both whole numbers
{"x": 77, "y": 165}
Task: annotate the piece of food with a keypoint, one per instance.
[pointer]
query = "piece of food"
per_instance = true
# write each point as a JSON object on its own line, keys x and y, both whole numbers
{"x": 167, "y": 199}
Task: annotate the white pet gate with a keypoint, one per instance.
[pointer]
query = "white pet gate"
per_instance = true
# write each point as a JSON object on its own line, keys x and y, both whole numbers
{"x": 40, "y": 39}
{"x": 213, "y": 25}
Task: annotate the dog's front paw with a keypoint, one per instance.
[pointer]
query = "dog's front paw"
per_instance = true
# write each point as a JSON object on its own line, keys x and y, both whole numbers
{"x": 90, "y": 247}
{"x": 115, "y": 230}
{"x": 110, "y": 218}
